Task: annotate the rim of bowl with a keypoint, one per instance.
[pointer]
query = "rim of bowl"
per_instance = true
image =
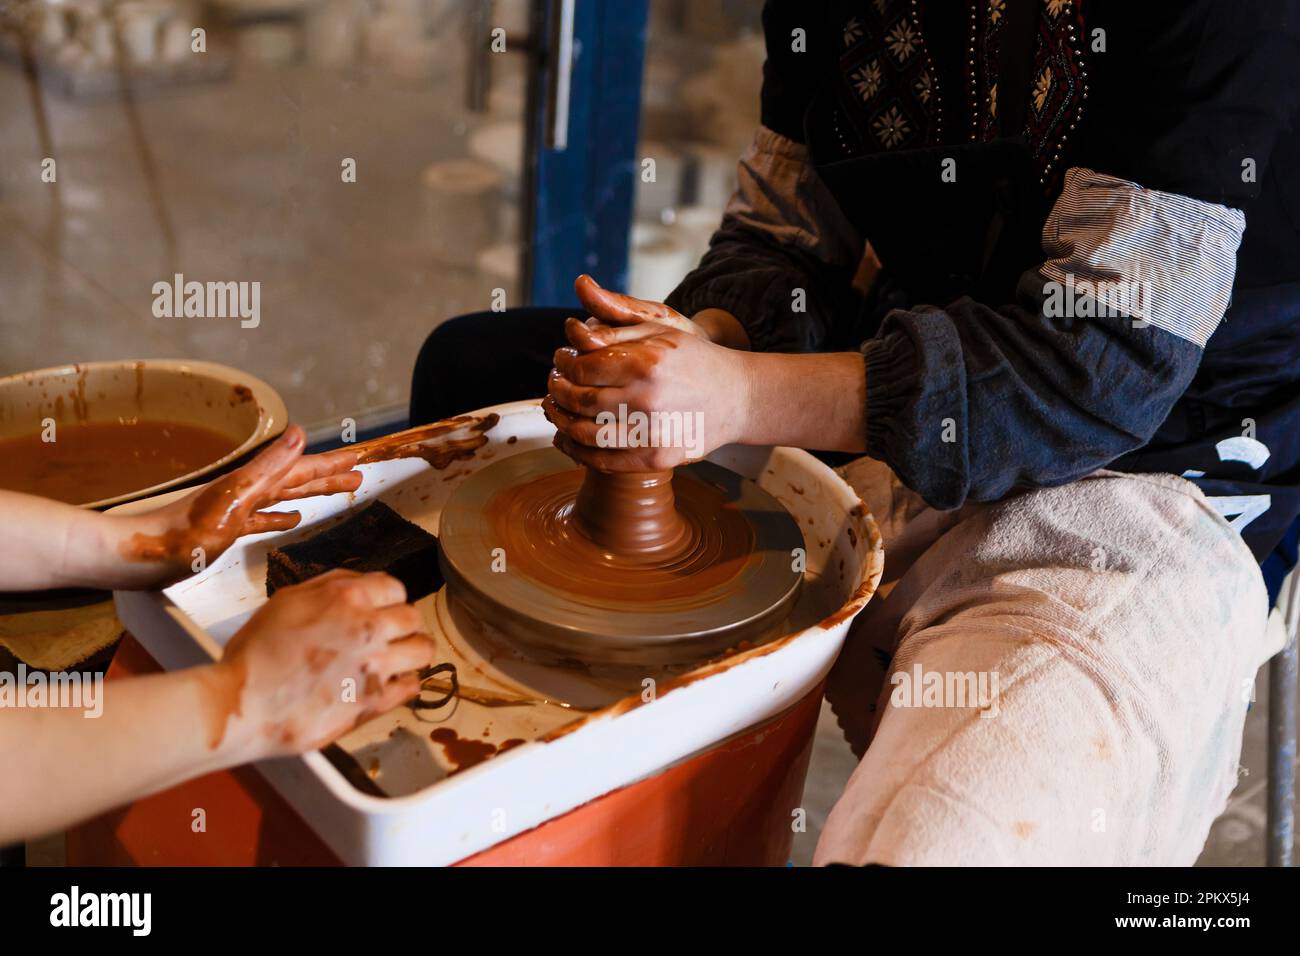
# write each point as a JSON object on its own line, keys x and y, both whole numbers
{"x": 272, "y": 414}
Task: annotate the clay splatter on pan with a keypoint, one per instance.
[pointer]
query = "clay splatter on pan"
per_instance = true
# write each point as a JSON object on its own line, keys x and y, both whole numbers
{"x": 462, "y": 753}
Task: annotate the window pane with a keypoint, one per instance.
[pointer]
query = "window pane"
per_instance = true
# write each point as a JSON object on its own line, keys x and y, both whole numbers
{"x": 700, "y": 107}
{"x": 323, "y": 153}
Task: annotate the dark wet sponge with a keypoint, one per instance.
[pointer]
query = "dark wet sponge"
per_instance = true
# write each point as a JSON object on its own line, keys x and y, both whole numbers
{"x": 374, "y": 539}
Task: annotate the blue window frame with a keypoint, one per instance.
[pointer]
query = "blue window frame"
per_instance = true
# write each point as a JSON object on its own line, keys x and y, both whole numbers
{"x": 581, "y": 196}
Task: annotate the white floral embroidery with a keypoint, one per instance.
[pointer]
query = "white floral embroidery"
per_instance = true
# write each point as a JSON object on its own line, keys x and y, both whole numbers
{"x": 902, "y": 40}
{"x": 891, "y": 127}
{"x": 852, "y": 31}
{"x": 1041, "y": 88}
{"x": 924, "y": 87}
{"x": 867, "y": 79}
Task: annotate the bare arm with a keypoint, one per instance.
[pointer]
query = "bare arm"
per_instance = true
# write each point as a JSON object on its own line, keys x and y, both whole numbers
{"x": 830, "y": 414}
{"x": 314, "y": 661}
{"x": 806, "y": 401}
{"x": 49, "y": 544}
{"x": 153, "y": 732}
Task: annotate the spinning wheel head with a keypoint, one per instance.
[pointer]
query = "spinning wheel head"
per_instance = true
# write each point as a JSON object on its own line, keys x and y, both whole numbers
{"x": 518, "y": 555}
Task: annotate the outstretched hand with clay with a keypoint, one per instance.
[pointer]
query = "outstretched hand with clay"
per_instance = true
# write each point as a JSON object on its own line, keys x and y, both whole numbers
{"x": 65, "y": 546}
{"x": 624, "y": 318}
{"x": 180, "y": 537}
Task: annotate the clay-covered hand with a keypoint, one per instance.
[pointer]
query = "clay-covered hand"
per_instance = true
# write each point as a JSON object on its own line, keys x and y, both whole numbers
{"x": 317, "y": 659}
{"x": 646, "y": 401}
{"x": 623, "y": 318}
{"x": 183, "y": 537}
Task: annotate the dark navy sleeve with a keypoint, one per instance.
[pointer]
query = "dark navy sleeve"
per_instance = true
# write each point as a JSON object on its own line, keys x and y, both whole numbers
{"x": 972, "y": 401}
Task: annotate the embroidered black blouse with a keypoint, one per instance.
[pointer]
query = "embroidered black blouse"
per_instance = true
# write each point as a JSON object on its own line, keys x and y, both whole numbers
{"x": 995, "y": 153}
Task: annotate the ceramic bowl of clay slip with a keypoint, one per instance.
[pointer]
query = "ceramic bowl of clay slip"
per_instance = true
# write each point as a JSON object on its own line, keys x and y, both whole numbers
{"x": 237, "y": 406}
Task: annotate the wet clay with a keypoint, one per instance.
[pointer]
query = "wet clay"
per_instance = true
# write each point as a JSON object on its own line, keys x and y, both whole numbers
{"x": 220, "y": 513}
{"x": 637, "y": 538}
{"x": 440, "y": 444}
{"x": 97, "y": 460}
{"x": 666, "y": 571}
{"x": 633, "y": 516}
{"x": 462, "y": 753}
{"x": 221, "y": 698}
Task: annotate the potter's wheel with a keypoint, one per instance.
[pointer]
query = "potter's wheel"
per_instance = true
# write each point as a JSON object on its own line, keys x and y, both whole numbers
{"x": 515, "y": 557}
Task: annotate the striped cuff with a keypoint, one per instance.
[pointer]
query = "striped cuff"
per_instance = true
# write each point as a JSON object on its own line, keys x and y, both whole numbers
{"x": 1160, "y": 258}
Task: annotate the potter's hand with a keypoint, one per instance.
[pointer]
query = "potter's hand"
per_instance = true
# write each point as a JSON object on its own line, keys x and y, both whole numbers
{"x": 622, "y": 318}
{"x": 186, "y": 535}
{"x": 688, "y": 396}
{"x": 319, "y": 658}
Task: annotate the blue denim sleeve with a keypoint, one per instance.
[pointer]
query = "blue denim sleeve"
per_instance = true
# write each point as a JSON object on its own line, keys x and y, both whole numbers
{"x": 972, "y": 402}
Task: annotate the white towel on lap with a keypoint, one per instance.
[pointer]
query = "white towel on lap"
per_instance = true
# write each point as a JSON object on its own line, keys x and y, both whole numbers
{"x": 1117, "y": 624}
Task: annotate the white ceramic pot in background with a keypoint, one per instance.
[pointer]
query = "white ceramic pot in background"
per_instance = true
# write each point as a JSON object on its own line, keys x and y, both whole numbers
{"x": 714, "y": 172}
{"x": 664, "y": 191}
{"x": 333, "y": 33}
{"x": 175, "y": 44}
{"x": 694, "y": 226}
{"x": 138, "y": 24}
{"x": 658, "y": 260}
{"x": 500, "y": 262}
{"x": 54, "y": 27}
{"x": 502, "y": 145}
{"x": 271, "y": 43}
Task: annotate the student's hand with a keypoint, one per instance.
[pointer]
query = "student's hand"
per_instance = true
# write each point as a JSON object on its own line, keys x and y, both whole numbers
{"x": 316, "y": 660}
{"x": 645, "y": 370}
{"x": 176, "y": 540}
